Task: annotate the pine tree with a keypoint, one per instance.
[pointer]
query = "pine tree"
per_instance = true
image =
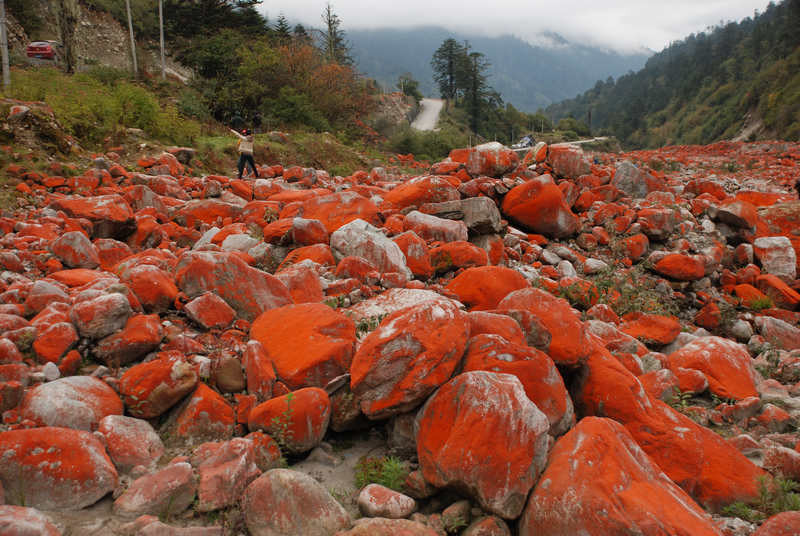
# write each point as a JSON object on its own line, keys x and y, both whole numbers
{"x": 282, "y": 30}
{"x": 476, "y": 90}
{"x": 335, "y": 47}
{"x": 301, "y": 35}
{"x": 447, "y": 64}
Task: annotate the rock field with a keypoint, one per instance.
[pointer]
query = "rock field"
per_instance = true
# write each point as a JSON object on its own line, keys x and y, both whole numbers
{"x": 561, "y": 343}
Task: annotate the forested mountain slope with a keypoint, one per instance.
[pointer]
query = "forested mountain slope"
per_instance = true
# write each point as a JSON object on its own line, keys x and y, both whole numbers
{"x": 741, "y": 77}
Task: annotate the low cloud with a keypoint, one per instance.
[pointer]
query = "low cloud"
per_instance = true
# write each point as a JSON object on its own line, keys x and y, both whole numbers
{"x": 623, "y": 25}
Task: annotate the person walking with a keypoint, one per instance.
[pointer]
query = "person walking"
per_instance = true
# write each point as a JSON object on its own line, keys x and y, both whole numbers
{"x": 245, "y": 147}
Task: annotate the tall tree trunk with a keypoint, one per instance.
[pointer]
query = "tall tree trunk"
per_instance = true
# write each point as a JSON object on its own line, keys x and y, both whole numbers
{"x": 161, "y": 32}
{"x": 67, "y": 20}
{"x": 133, "y": 41}
{"x": 4, "y": 44}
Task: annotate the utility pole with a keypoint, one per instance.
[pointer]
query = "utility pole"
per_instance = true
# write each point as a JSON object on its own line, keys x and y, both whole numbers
{"x": 133, "y": 41}
{"x": 161, "y": 31}
{"x": 4, "y": 45}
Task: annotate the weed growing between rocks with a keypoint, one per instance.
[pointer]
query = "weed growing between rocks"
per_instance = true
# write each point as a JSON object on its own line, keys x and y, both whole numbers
{"x": 775, "y": 497}
{"x": 387, "y": 471}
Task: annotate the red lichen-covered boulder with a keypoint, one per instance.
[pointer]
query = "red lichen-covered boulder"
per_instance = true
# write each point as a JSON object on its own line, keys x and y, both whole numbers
{"x": 54, "y": 341}
{"x": 413, "y": 351}
{"x": 481, "y": 435}
{"x": 491, "y": 159}
{"x": 141, "y": 335}
{"x": 535, "y": 370}
{"x": 260, "y": 371}
{"x": 247, "y": 290}
{"x": 725, "y": 363}
{"x": 681, "y": 267}
{"x": 482, "y": 322}
{"x": 569, "y": 343}
{"x": 75, "y": 250}
{"x": 455, "y": 255}
{"x": 299, "y": 418}
{"x": 783, "y": 524}
{"x": 568, "y": 161}
{"x": 651, "y": 329}
{"x": 205, "y": 211}
{"x": 598, "y": 481}
{"x": 154, "y": 287}
{"x": 130, "y": 442}
{"x": 421, "y": 190}
{"x": 111, "y": 216}
{"x": 299, "y": 231}
{"x": 302, "y": 281}
{"x": 538, "y": 206}
{"x": 78, "y": 402}
{"x": 708, "y": 468}
{"x": 482, "y": 288}
{"x": 101, "y": 316}
{"x": 360, "y": 239}
{"x": 381, "y": 526}
{"x": 168, "y": 491}
{"x": 418, "y": 258}
{"x": 289, "y": 502}
{"x": 336, "y": 210}
{"x": 781, "y": 294}
{"x": 206, "y": 415}
{"x": 225, "y": 468}
{"x": 209, "y": 311}
{"x": 54, "y": 468}
{"x": 149, "y": 389}
{"x": 309, "y": 344}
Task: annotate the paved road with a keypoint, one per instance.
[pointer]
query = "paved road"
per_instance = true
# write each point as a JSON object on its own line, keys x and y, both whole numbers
{"x": 578, "y": 142}
{"x": 428, "y": 115}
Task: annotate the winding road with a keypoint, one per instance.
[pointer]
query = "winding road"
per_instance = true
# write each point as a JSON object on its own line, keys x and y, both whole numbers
{"x": 428, "y": 115}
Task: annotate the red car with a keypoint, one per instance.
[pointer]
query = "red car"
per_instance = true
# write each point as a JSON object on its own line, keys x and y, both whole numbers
{"x": 43, "y": 50}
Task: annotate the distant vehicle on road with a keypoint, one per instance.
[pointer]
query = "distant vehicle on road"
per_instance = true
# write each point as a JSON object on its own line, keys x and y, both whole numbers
{"x": 526, "y": 141}
{"x": 43, "y": 52}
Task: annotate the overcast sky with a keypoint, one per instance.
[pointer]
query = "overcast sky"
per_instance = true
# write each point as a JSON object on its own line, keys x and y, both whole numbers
{"x": 617, "y": 24}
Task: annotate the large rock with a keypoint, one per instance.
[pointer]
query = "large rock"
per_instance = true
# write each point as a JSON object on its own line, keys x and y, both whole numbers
{"x": 297, "y": 420}
{"x": 413, "y": 351}
{"x": 101, "y": 316}
{"x": 481, "y": 435}
{"x": 434, "y": 228}
{"x": 247, "y": 290}
{"x": 534, "y": 369}
{"x": 708, "y": 468}
{"x": 309, "y": 344}
{"x": 568, "y": 161}
{"x": 538, "y": 205}
{"x": 22, "y": 521}
{"x": 130, "y": 442}
{"x": 777, "y": 256}
{"x": 379, "y": 526}
{"x": 630, "y": 179}
{"x": 75, "y": 250}
{"x": 727, "y": 365}
{"x": 54, "y": 468}
{"x": 77, "y": 402}
{"x": 149, "y": 389}
{"x": 482, "y": 288}
{"x": 569, "y": 344}
{"x": 111, "y": 216}
{"x": 491, "y": 159}
{"x": 598, "y": 481}
{"x": 783, "y": 524}
{"x": 420, "y": 190}
{"x": 166, "y": 493}
{"x": 225, "y": 470}
{"x": 360, "y": 239}
{"x": 141, "y": 335}
{"x": 287, "y": 503}
{"x": 336, "y": 210}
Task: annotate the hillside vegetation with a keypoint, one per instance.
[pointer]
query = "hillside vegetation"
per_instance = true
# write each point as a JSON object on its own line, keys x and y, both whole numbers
{"x": 706, "y": 87}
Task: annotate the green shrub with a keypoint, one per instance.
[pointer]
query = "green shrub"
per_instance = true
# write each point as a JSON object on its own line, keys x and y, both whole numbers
{"x": 387, "y": 471}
